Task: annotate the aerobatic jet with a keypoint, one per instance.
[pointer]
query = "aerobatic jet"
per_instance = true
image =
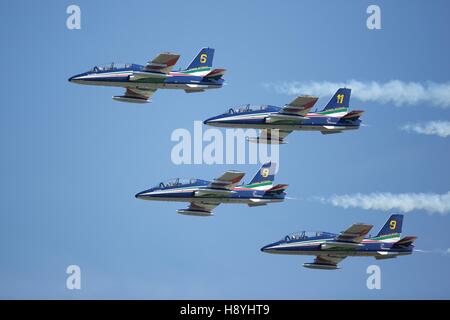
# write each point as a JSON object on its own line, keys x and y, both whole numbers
{"x": 330, "y": 248}
{"x": 141, "y": 82}
{"x": 204, "y": 195}
{"x": 295, "y": 116}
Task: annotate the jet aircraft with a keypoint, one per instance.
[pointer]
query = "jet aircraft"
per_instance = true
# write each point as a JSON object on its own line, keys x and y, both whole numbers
{"x": 204, "y": 195}
{"x": 296, "y": 115}
{"x": 141, "y": 82}
{"x": 330, "y": 248}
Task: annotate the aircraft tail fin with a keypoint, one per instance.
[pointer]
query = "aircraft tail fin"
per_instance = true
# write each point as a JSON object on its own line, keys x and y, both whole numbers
{"x": 203, "y": 59}
{"x": 265, "y": 173}
{"x": 341, "y": 99}
{"x": 392, "y": 226}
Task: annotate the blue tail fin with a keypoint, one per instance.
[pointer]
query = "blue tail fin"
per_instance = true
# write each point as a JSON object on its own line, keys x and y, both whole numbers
{"x": 341, "y": 99}
{"x": 266, "y": 173}
{"x": 392, "y": 226}
{"x": 203, "y": 59}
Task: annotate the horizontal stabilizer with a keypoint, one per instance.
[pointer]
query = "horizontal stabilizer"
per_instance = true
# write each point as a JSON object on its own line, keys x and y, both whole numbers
{"x": 353, "y": 115}
{"x": 279, "y": 188}
{"x": 405, "y": 242}
{"x": 215, "y": 74}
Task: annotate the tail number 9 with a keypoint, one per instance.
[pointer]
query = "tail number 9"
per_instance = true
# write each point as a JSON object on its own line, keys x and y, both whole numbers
{"x": 392, "y": 224}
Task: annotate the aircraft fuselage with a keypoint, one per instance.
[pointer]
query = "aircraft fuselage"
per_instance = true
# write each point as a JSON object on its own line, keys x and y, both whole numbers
{"x": 123, "y": 77}
{"x": 374, "y": 247}
{"x": 265, "y": 119}
{"x": 238, "y": 194}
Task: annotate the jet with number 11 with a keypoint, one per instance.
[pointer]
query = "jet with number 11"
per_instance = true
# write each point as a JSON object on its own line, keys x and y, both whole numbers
{"x": 276, "y": 123}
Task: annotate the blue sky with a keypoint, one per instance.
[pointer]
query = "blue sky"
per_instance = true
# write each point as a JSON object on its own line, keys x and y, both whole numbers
{"x": 72, "y": 158}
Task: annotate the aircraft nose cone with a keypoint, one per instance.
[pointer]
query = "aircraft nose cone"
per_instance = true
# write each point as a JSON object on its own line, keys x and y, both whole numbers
{"x": 138, "y": 195}
{"x": 208, "y": 121}
{"x": 75, "y": 78}
{"x": 264, "y": 249}
{"x": 211, "y": 121}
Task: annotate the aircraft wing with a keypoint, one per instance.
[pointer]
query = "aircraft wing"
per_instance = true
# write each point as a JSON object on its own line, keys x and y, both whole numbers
{"x": 228, "y": 180}
{"x": 135, "y": 95}
{"x": 300, "y": 105}
{"x": 270, "y": 136}
{"x": 355, "y": 233}
{"x": 199, "y": 208}
{"x": 163, "y": 63}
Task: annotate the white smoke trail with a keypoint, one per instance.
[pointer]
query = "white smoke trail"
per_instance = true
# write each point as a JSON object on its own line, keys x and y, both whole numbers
{"x": 397, "y": 92}
{"x": 438, "y": 128}
{"x": 443, "y": 252}
{"x": 404, "y": 202}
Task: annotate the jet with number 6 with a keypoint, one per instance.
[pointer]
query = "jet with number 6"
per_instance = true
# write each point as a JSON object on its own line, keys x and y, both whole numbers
{"x": 330, "y": 248}
{"x": 204, "y": 195}
{"x": 276, "y": 123}
{"x": 141, "y": 82}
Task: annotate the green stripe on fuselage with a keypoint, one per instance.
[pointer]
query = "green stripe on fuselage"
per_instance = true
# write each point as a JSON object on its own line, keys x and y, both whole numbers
{"x": 196, "y": 70}
{"x": 256, "y": 185}
{"x": 333, "y": 111}
{"x": 389, "y": 236}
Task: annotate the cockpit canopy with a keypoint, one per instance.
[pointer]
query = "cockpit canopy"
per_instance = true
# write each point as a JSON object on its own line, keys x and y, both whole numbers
{"x": 303, "y": 235}
{"x": 175, "y": 182}
{"x": 246, "y": 108}
{"x": 111, "y": 66}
